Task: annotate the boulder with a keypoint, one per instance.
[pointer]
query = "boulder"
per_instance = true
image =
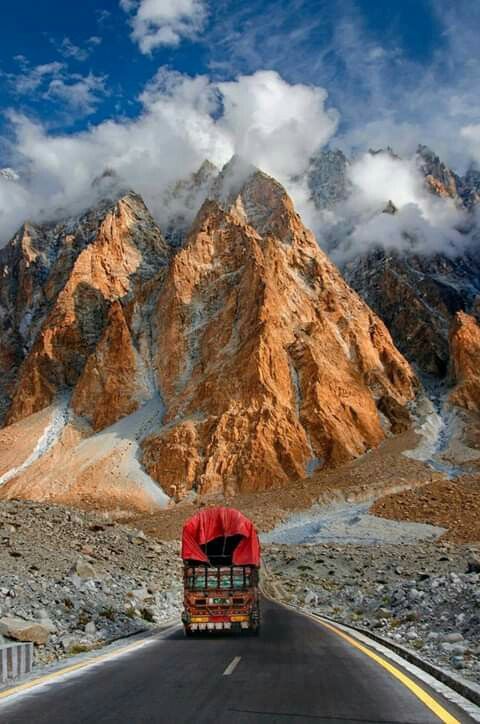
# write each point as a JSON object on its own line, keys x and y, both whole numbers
{"x": 473, "y": 565}
{"x": 83, "y": 569}
{"x": 21, "y": 630}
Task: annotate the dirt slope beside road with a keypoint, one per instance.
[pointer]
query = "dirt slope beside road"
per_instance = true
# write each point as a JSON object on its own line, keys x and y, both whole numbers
{"x": 452, "y": 504}
{"x": 384, "y": 469}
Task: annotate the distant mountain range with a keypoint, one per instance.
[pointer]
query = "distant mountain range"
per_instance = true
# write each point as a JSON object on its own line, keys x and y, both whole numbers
{"x": 224, "y": 352}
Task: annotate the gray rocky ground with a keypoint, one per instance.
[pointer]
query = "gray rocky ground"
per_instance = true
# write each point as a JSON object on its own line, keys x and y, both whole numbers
{"x": 82, "y": 580}
{"x": 72, "y": 581}
{"x": 425, "y": 595}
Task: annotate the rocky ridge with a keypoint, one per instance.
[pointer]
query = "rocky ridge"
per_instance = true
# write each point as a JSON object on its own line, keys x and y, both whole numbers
{"x": 240, "y": 360}
{"x": 58, "y": 283}
{"x": 465, "y": 352}
{"x": 250, "y": 291}
{"x": 416, "y": 295}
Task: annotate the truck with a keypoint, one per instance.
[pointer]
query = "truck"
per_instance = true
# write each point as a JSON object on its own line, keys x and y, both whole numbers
{"x": 221, "y": 562}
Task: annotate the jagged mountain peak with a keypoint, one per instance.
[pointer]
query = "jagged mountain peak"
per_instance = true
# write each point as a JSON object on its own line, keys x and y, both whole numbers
{"x": 327, "y": 178}
{"x": 109, "y": 185}
{"x": 439, "y": 178}
{"x": 206, "y": 170}
{"x": 59, "y": 281}
{"x": 182, "y": 200}
{"x": 387, "y": 151}
{"x": 253, "y": 197}
{"x": 266, "y": 363}
{"x": 232, "y": 179}
{"x": 239, "y": 188}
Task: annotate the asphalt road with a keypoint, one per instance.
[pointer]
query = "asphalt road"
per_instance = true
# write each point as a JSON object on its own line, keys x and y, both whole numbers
{"x": 295, "y": 672}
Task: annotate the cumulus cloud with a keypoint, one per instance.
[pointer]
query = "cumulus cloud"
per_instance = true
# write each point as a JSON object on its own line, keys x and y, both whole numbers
{"x": 271, "y": 123}
{"x": 380, "y": 177}
{"x": 157, "y": 23}
{"x": 184, "y": 120}
{"x": 274, "y": 124}
{"x": 388, "y": 93}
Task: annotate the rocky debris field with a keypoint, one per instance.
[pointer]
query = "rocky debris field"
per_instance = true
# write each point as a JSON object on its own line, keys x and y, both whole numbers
{"x": 370, "y": 476}
{"x": 425, "y": 596}
{"x": 347, "y": 523}
{"x": 450, "y": 504}
{"x": 72, "y": 581}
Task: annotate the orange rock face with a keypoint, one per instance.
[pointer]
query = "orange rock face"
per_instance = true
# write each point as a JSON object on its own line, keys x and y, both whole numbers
{"x": 113, "y": 382}
{"x": 269, "y": 364}
{"x": 107, "y": 269}
{"x": 242, "y": 362}
{"x": 465, "y": 361}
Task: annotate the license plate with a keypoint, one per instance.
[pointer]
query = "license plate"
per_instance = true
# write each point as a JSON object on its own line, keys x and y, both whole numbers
{"x": 220, "y": 600}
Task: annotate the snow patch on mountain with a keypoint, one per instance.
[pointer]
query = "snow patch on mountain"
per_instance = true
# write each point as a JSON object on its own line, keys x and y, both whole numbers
{"x": 51, "y": 435}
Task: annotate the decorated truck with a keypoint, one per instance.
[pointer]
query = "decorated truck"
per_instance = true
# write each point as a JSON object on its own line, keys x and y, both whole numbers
{"x": 221, "y": 561}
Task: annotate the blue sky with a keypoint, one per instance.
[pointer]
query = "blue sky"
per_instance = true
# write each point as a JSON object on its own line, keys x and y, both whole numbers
{"x": 150, "y": 88}
{"x": 298, "y": 38}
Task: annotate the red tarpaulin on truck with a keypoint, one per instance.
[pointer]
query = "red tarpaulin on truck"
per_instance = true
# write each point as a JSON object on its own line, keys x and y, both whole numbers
{"x": 211, "y": 523}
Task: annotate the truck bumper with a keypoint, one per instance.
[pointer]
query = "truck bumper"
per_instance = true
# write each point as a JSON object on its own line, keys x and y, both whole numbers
{"x": 235, "y": 622}
{"x": 218, "y": 626}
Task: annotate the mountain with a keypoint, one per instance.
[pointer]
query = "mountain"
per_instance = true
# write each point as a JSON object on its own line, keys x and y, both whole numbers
{"x": 327, "y": 178}
{"x": 465, "y": 351}
{"x": 440, "y": 180}
{"x": 239, "y": 360}
{"x": 59, "y": 283}
{"x": 182, "y": 200}
{"x": 416, "y": 294}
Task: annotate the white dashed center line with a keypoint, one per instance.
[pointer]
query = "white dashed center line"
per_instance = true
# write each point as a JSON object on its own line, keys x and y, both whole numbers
{"x": 232, "y": 666}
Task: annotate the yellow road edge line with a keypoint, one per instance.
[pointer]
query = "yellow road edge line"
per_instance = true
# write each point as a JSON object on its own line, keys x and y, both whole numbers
{"x": 70, "y": 669}
{"x": 425, "y": 698}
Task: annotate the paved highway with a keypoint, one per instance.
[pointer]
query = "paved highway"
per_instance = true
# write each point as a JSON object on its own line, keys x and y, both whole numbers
{"x": 296, "y": 672}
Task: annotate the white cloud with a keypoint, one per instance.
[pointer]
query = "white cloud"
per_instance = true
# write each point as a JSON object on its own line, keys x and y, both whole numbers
{"x": 271, "y": 123}
{"x": 381, "y": 177}
{"x": 158, "y": 23}
{"x": 471, "y": 135}
{"x": 71, "y": 51}
{"x": 184, "y": 120}
{"x": 274, "y": 124}
{"x": 78, "y": 94}
{"x": 423, "y": 223}
{"x": 30, "y": 79}
{"x": 81, "y": 94}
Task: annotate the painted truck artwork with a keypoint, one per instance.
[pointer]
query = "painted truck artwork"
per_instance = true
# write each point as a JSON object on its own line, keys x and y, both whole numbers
{"x": 221, "y": 556}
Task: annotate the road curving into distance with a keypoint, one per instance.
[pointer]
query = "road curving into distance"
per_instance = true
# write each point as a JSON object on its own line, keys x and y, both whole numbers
{"x": 296, "y": 672}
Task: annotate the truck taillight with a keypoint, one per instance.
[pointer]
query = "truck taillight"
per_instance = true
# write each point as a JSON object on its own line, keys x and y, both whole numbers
{"x": 238, "y": 601}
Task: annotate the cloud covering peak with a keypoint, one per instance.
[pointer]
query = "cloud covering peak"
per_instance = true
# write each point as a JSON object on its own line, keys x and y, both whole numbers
{"x": 273, "y": 124}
